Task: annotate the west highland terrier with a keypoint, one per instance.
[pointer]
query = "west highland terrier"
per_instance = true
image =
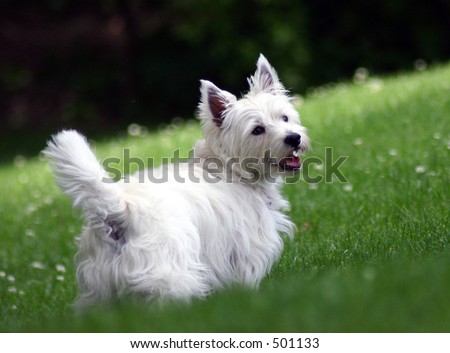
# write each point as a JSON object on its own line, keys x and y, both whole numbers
{"x": 181, "y": 240}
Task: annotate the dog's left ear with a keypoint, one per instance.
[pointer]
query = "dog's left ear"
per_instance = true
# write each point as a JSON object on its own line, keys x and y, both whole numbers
{"x": 214, "y": 102}
{"x": 265, "y": 78}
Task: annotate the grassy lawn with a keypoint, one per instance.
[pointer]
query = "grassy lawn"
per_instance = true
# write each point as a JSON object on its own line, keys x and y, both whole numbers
{"x": 371, "y": 254}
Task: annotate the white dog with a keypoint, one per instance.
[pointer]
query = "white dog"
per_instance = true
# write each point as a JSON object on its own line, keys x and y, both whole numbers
{"x": 221, "y": 225}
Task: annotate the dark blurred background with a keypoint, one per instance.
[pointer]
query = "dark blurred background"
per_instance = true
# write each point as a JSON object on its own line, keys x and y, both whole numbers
{"x": 101, "y": 65}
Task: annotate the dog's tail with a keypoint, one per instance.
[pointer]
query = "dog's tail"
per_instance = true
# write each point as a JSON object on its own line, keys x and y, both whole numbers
{"x": 81, "y": 176}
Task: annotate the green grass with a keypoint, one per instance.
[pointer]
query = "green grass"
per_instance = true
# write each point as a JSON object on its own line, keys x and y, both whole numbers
{"x": 370, "y": 255}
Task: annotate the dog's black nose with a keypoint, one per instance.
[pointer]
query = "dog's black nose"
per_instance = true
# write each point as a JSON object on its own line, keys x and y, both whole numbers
{"x": 293, "y": 140}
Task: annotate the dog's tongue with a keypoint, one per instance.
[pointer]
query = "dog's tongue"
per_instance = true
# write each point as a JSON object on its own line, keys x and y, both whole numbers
{"x": 293, "y": 162}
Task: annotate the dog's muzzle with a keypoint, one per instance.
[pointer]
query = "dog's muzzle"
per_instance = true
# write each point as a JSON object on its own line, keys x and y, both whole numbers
{"x": 292, "y": 161}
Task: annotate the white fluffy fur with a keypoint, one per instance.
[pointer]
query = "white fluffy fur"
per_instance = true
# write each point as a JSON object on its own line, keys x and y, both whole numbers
{"x": 183, "y": 240}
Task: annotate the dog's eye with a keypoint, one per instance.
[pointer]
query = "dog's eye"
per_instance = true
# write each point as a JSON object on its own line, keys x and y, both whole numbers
{"x": 285, "y": 118}
{"x": 258, "y": 130}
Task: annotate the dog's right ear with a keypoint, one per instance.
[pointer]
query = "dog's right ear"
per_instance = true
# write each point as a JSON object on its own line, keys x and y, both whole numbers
{"x": 265, "y": 78}
{"x": 214, "y": 102}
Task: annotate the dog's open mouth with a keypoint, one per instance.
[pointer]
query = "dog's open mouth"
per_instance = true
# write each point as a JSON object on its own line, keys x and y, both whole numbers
{"x": 291, "y": 162}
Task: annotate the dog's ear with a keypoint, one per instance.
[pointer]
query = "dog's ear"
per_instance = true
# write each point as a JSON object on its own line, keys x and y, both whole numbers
{"x": 265, "y": 78}
{"x": 214, "y": 102}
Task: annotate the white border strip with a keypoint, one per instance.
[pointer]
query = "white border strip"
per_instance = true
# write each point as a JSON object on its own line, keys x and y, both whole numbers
{"x": 196, "y": 342}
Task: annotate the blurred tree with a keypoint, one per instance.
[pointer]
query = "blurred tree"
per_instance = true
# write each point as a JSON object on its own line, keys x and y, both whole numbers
{"x": 103, "y": 64}
{"x": 383, "y": 35}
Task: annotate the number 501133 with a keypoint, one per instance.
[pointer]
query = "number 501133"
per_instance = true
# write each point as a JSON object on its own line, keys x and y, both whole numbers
{"x": 295, "y": 343}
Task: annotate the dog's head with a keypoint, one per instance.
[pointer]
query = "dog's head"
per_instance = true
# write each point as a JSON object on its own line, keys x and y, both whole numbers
{"x": 261, "y": 130}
